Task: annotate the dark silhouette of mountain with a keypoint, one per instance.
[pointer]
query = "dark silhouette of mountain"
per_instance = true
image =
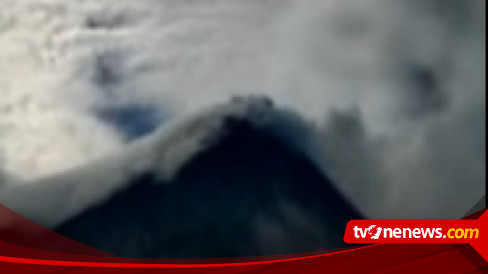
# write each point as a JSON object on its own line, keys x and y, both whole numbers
{"x": 250, "y": 193}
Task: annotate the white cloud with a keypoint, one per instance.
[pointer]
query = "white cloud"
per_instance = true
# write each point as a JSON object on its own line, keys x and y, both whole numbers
{"x": 61, "y": 61}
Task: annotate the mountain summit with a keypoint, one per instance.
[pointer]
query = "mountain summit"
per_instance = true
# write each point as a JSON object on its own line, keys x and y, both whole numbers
{"x": 249, "y": 192}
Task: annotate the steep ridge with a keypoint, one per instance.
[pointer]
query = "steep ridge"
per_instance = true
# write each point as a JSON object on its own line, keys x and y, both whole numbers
{"x": 250, "y": 192}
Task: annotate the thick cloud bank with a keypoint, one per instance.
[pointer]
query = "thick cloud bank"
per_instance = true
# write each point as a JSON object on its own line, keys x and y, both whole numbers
{"x": 395, "y": 88}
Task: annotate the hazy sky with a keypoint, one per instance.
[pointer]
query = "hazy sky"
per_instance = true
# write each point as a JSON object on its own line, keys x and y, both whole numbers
{"x": 396, "y": 88}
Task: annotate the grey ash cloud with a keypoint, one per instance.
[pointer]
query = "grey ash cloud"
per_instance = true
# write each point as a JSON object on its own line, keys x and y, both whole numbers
{"x": 396, "y": 90}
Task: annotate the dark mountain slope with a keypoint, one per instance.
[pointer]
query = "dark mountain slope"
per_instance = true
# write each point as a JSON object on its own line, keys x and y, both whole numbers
{"x": 250, "y": 193}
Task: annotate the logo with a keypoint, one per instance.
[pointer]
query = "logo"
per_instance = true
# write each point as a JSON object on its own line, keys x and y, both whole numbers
{"x": 466, "y": 231}
{"x": 374, "y": 232}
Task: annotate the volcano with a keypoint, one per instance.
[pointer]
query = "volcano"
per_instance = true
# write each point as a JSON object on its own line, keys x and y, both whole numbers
{"x": 239, "y": 179}
{"x": 249, "y": 193}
